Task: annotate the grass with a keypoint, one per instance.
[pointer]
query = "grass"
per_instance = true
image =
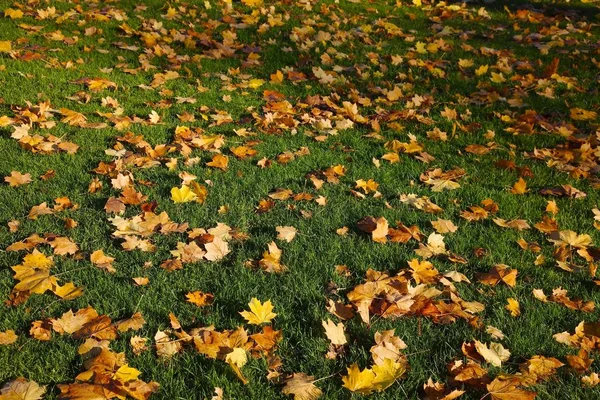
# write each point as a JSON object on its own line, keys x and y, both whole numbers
{"x": 300, "y": 294}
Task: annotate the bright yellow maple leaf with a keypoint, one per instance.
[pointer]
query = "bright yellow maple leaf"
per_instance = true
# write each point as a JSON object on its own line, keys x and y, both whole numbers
{"x": 387, "y": 373}
{"x": 260, "y": 313}
{"x": 255, "y": 83}
{"x": 359, "y": 381}
{"x": 183, "y": 194}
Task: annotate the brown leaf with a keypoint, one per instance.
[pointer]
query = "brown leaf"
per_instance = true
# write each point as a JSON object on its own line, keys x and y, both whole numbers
{"x": 302, "y": 387}
{"x": 22, "y": 389}
{"x": 508, "y": 390}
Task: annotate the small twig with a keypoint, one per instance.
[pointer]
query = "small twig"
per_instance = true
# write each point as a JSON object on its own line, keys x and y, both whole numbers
{"x": 138, "y": 303}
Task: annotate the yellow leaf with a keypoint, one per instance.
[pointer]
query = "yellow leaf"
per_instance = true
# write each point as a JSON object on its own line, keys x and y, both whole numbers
{"x": 255, "y": 83}
{"x": 387, "y": 373}
{"x": 252, "y": 3}
{"x": 236, "y": 360}
{"x": 200, "y": 299}
{"x": 513, "y": 307}
{"x": 277, "y": 77}
{"x": 183, "y": 194}
{"x": 5, "y": 46}
{"x": 423, "y": 271}
{"x": 125, "y": 374}
{"x": 8, "y": 337}
{"x": 495, "y": 354}
{"x": 359, "y": 381}
{"x": 335, "y": 333}
{"x": 37, "y": 260}
{"x": 200, "y": 191}
{"x": 13, "y": 14}
{"x": 68, "y": 292}
{"x": 260, "y": 313}
{"x": 237, "y": 357}
{"x": 482, "y": 70}
{"x": 520, "y": 187}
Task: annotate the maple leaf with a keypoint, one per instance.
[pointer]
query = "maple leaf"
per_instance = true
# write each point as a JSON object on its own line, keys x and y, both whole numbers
{"x": 219, "y": 161}
{"x": 499, "y": 273}
{"x": 387, "y": 373}
{"x": 13, "y": 14}
{"x": 166, "y": 348}
{"x": 136, "y": 322}
{"x": 508, "y": 390}
{"x": 367, "y": 186}
{"x": 5, "y": 46}
{"x": 591, "y": 380}
{"x": 513, "y": 306}
{"x": 580, "y": 114}
{"x": 444, "y": 226}
{"x": 38, "y": 210}
{"x": 138, "y": 344}
{"x": 388, "y": 346}
{"x": 377, "y": 227}
{"x": 22, "y": 389}
{"x": 495, "y": 354}
{"x": 520, "y": 187}
{"x": 236, "y": 359}
{"x": 518, "y": 224}
{"x": 34, "y": 276}
{"x": 340, "y": 310}
{"x": 542, "y": 367}
{"x": 260, "y": 313}
{"x": 423, "y": 271}
{"x": 102, "y": 261}
{"x": 200, "y": 191}
{"x": 68, "y": 291}
{"x": 199, "y": 298}
{"x": 335, "y": 333}
{"x": 216, "y": 250}
{"x": 302, "y": 387}
{"x": 17, "y": 179}
{"x": 63, "y": 245}
{"x": 287, "y": 233}
{"x": 183, "y": 194}
{"x": 359, "y": 381}
{"x": 435, "y": 246}
{"x": 8, "y": 337}
{"x": 271, "y": 261}
{"x": 570, "y": 238}
{"x": 41, "y": 330}
{"x": 71, "y": 322}
{"x": 437, "y": 391}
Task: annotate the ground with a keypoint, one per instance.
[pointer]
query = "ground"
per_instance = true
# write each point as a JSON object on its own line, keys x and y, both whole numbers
{"x": 337, "y": 119}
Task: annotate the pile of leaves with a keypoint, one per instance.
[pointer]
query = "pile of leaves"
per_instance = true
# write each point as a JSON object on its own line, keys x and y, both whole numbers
{"x": 411, "y": 188}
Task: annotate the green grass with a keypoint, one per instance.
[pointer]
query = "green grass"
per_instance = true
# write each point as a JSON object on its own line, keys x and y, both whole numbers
{"x": 300, "y": 294}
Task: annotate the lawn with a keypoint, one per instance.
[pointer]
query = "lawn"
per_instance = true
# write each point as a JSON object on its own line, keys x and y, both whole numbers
{"x": 299, "y": 199}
